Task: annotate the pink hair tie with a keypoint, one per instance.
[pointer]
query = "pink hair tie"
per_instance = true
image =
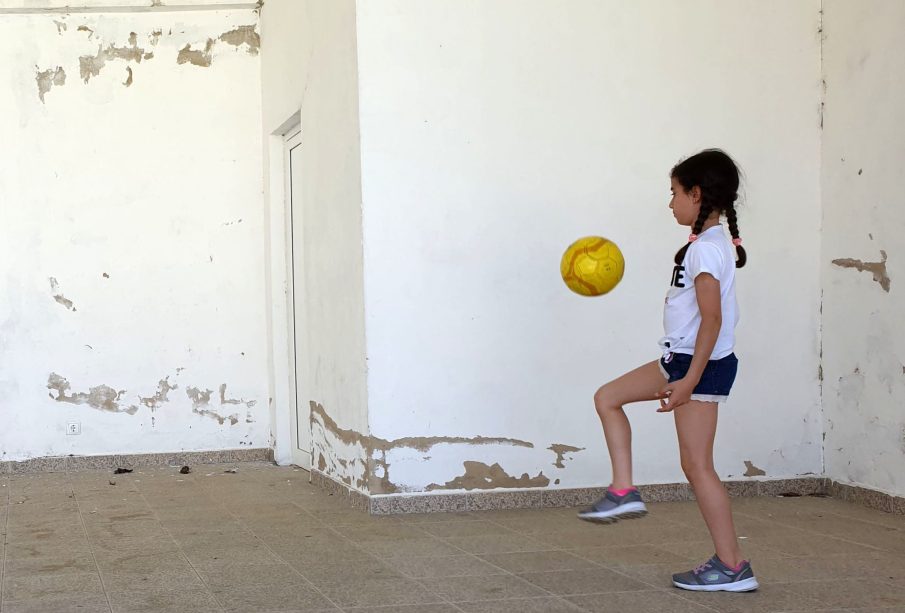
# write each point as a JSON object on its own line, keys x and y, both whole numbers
{"x": 692, "y": 238}
{"x": 736, "y": 241}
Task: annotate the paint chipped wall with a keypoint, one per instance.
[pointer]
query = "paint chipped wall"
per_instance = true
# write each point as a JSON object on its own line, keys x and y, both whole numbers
{"x": 130, "y": 185}
{"x": 309, "y": 64}
{"x": 494, "y": 134}
{"x": 863, "y": 254}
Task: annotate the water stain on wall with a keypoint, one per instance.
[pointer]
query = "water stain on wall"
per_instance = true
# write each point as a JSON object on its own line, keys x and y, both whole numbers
{"x": 48, "y": 78}
{"x": 100, "y": 397}
{"x": 480, "y": 476}
{"x": 877, "y": 269}
{"x": 561, "y": 450}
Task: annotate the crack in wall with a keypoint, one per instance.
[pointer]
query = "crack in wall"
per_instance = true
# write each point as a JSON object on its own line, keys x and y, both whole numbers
{"x": 877, "y": 269}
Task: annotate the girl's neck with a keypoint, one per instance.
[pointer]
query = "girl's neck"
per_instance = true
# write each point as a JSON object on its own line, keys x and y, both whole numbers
{"x": 711, "y": 221}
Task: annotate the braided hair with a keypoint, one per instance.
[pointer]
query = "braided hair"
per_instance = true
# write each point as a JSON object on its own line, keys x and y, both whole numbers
{"x": 717, "y": 176}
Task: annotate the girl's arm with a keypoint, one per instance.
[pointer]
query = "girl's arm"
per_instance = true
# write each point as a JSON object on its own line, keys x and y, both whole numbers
{"x": 707, "y": 290}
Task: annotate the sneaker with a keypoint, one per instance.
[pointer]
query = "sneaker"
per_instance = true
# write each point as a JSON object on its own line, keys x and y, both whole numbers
{"x": 714, "y": 576}
{"x": 612, "y": 508}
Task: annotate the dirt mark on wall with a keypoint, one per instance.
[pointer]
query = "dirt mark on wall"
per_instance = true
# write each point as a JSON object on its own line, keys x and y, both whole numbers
{"x": 561, "y": 450}
{"x": 877, "y": 269}
{"x": 100, "y": 397}
{"x": 480, "y": 476}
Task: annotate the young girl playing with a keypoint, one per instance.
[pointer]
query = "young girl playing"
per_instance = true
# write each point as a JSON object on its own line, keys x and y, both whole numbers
{"x": 696, "y": 371}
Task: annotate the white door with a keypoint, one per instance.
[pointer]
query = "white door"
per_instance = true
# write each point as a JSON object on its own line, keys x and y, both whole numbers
{"x": 300, "y": 423}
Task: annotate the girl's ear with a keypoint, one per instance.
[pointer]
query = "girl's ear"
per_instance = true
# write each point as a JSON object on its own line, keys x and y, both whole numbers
{"x": 695, "y": 194}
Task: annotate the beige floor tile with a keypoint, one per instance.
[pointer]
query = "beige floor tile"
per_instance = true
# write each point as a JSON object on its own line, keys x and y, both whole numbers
{"x": 576, "y": 582}
{"x": 538, "y": 561}
{"x": 66, "y": 604}
{"x": 378, "y": 592}
{"x": 52, "y": 586}
{"x": 521, "y": 605}
{"x": 493, "y": 587}
{"x": 657, "y": 601}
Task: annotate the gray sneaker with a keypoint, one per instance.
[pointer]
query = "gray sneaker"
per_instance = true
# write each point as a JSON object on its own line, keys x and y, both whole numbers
{"x": 714, "y": 576}
{"x": 612, "y": 508}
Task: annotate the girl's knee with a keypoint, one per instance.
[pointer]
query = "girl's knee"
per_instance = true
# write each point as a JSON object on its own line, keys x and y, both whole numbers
{"x": 696, "y": 469}
{"x": 601, "y": 397}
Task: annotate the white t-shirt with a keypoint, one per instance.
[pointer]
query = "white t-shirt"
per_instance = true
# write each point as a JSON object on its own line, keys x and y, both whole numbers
{"x": 711, "y": 253}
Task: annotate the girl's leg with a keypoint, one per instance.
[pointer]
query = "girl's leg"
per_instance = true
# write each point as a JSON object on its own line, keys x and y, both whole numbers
{"x": 643, "y": 383}
{"x": 696, "y": 428}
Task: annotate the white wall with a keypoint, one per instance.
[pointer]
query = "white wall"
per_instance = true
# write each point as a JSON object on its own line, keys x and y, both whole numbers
{"x": 143, "y": 203}
{"x": 863, "y": 150}
{"x": 495, "y": 133}
{"x": 309, "y": 65}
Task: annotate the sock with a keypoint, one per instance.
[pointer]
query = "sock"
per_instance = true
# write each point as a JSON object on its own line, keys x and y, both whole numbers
{"x": 739, "y": 567}
{"x": 621, "y": 493}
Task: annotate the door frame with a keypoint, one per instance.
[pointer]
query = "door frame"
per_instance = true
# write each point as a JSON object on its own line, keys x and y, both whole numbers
{"x": 284, "y": 403}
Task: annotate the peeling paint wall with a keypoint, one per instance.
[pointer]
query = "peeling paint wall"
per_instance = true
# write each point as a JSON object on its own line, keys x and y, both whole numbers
{"x": 127, "y": 302}
{"x": 863, "y": 254}
{"x": 495, "y": 133}
{"x": 309, "y": 65}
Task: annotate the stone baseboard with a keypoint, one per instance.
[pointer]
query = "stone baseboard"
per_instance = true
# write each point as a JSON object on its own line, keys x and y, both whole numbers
{"x": 392, "y": 504}
{"x": 869, "y": 498}
{"x": 101, "y": 462}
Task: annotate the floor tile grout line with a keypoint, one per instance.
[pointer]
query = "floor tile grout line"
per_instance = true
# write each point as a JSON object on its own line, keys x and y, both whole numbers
{"x": 660, "y": 588}
{"x": 97, "y": 567}
{"x": 176, "y": 543}
{"x": 505, "y": 571}
{"x": 810, "y": 532}
{"x": 248, "y": 529}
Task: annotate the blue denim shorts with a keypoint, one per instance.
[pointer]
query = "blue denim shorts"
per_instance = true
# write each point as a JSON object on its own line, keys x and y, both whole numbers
{"x": 715, "y": 383}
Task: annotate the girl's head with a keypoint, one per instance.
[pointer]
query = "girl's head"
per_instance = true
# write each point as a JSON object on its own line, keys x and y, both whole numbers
{"x": 704, "y": 187}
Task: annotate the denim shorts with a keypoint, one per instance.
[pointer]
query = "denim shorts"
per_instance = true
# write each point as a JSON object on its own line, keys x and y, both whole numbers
{"x": 715, "y": 383}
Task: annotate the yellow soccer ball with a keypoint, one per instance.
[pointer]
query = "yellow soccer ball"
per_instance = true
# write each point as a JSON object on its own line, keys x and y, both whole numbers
{"x": 592, "y": 266}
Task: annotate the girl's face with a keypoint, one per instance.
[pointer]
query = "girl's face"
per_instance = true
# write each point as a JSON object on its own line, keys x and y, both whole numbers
{"x": 685, "y": 205}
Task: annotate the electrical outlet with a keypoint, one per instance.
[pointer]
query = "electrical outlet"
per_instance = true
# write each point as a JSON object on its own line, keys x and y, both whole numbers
{"x": 74, "y": 427}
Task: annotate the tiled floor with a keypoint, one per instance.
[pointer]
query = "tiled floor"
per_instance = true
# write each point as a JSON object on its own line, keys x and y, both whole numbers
{"x": 263, "y": 539}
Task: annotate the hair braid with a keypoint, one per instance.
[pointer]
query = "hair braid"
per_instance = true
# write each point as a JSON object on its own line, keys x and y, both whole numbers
{"x": 703, "y": 214}
{"x": 732, "y": 220}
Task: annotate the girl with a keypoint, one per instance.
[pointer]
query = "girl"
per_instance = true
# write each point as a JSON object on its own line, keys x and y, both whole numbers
{"x": 696, "y": 371}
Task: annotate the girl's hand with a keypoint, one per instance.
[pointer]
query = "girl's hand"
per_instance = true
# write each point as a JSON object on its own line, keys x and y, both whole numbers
{"x": 674, "y": 395}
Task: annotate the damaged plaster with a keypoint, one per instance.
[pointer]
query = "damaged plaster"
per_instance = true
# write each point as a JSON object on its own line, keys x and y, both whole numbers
{"x": 187, "y": 55}
{"x": 91, "y": 66}
{"x": 225, "y": 400}
{"x": 753, "y": 471}
{"x": 243, "y": 35}
{"x": 48, "y": 78}
{"x": 877, "y": 269}
{"x": 376, "y": 476}
{"x": 100, "y": 397}
{"x": 560, "y": 451}
{"x": 163, "y": 388}
{"x": 201, "y": 401}
{"x": 58, "y": 296}
{"x": 480, "y": 476}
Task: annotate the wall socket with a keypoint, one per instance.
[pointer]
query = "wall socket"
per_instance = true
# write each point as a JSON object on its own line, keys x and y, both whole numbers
{"x": 74, "y": 427}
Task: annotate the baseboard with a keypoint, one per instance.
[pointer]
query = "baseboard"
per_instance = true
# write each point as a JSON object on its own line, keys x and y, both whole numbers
{"x": 100, "y": 462}
{"x": 392, "y": 504}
